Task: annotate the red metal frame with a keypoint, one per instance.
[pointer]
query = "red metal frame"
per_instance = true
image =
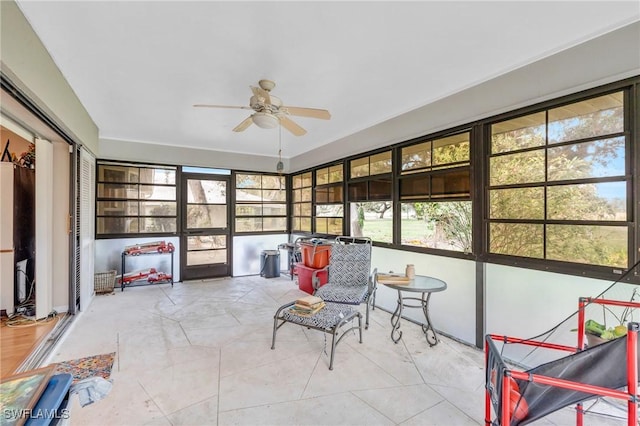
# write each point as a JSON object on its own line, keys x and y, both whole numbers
{"x": 631, "y": 395}
{"x": 152, "y": 247}
{"x": 151, "y": 275}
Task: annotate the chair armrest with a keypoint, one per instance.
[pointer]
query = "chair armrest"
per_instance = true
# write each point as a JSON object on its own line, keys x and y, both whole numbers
{"x": 315, "y": 281}
{"x": 373, "y": 280}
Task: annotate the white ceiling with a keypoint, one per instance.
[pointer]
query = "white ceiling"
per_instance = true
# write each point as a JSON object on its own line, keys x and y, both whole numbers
{"x": 138, "y": 67}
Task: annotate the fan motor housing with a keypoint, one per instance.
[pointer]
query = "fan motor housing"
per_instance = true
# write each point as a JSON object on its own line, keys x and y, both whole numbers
{"x": 259, "y": 106}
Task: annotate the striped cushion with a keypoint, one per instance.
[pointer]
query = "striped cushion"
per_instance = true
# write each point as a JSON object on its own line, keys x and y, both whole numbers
{"x": 352, "y": 295}
{"x": 327, "y": 318}
{"x": 350, "y": 264}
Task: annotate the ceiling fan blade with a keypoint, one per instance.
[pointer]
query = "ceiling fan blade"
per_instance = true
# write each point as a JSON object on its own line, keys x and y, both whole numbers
{"x": 261, "y": 93}
{"x": 308, "y": 112}
{"x": 220, "y": 106}
{"x": 291, "y": 126}
{"x": 243, "y": 126}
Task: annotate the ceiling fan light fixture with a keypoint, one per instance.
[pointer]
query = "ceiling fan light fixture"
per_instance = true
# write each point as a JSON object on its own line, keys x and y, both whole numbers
{"x": 270, "y": 112}
{"x": 265, "y": 120}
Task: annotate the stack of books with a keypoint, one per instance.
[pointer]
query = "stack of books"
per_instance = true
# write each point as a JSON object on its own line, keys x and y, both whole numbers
{"x": 397, "y": 279}
{"x": 307, "y": 306}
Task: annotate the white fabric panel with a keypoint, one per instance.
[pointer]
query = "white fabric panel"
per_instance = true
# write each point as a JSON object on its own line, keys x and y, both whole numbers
{"x": 44, "y": 228}
{"x": 6, "y": 237}
{"x": 61, "y": 224}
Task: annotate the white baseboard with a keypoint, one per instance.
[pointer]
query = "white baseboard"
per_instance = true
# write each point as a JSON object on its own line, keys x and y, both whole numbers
{"x": 61, "y": 309}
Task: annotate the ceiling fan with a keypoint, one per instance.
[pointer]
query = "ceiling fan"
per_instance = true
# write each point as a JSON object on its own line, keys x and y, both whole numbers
{"x": 269, "y": 111}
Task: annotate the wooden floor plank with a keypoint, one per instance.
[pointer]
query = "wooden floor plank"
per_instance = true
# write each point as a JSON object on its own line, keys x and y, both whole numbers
{"x": 17, "y": 343}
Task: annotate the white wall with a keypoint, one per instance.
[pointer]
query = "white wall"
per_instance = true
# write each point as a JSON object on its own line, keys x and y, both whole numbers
{"x": 247, "y": 251}
{"x": 524, "y": 303}
{"x": 26, "y": 62}
{"x": 113, "y": 149}
{"x": 451, "y": 311}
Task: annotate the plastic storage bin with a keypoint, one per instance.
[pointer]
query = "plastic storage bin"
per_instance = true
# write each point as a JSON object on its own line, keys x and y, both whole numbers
{"x": 270, "y": 263}
{"x": 315, "y": 255}
{"x": 103, "y": 282}
{"x": 53, "y": 401}
{"x": 305, "y": 276}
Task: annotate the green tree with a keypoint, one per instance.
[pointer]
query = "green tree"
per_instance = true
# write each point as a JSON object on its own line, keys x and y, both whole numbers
{"x": 542, "y": 199}
{"x": 380, "y": 208}
{"x": 452, "y": 220}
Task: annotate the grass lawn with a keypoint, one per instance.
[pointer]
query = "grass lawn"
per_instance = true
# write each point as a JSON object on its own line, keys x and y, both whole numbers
{"x": 382, "y": 229}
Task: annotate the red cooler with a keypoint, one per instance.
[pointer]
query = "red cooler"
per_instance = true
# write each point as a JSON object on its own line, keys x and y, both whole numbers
{"x": 305, "y": 276}
{"x": 315, "y": 255}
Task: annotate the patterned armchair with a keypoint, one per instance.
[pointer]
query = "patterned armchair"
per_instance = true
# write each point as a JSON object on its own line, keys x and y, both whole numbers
{"x": 350, "y": 279}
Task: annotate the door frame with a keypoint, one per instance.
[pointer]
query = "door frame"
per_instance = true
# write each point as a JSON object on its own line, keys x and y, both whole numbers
{"x": 212, "y": 270}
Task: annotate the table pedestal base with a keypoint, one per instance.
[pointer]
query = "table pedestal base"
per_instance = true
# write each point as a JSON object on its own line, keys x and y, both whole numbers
{"x": 427, "y": 329}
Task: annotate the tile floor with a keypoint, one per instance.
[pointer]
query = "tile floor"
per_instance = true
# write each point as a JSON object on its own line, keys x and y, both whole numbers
{"x": 200, "y": 354}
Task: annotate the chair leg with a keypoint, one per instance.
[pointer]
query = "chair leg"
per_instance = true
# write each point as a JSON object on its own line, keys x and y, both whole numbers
{"x": 366, "y": 322}
{"x": 373, "y": 303}
{"x": 360, "y": 325}
{"x": 276, "y": 316}
{"x": 275, "y": 328}
{"x": 333, "y": 346}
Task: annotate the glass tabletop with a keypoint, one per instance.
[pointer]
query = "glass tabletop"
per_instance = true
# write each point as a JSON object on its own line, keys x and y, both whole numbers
{"x": 421, "y": 284}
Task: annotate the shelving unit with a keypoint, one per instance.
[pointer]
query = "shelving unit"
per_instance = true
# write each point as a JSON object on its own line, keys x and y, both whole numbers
{"x": 149, "y": 274}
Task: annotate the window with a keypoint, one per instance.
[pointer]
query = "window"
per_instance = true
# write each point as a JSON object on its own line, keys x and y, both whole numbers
{"x": 435, "y": 194}
{"x": 301, "y": 202}
{"x": 329, "y": 205}
{"x": 558, "y": 184}
{"x": 261, "y": 203}
{"x": 369, "y": 194}
{"x": 371, "y": 165}
{"x": 135, "y": 199}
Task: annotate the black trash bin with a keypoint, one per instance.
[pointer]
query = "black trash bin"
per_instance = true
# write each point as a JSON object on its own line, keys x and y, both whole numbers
{"x": 270, "y": 263}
